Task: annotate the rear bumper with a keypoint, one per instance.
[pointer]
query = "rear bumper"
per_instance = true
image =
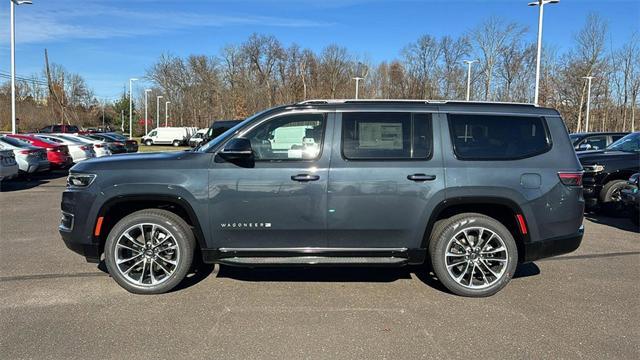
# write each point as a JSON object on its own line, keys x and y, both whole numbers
{"x": 552, "y": 247}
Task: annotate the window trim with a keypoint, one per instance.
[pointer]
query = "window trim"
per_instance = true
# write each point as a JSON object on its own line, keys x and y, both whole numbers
{"x": 410, "y": 159}
{"x": 325, "y": 118}
{"x": 543, "y": 121}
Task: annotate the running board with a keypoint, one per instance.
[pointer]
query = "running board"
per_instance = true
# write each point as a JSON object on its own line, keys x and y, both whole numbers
{"x": 314, "y": 261}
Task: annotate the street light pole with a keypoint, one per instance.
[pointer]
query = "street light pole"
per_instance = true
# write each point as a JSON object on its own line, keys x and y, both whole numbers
{"x": 469, "y": 63}
{"x": 158, "y": 110}
{"x": 146, "y": 113}
{"x": 166, "y": 113}
{"x": 131, "y": 107}
{"x": 586, "y": 121}
{"x": 541, "y": 4}
{"x": 13, "y": 60}
{"x": 357, "y": 79}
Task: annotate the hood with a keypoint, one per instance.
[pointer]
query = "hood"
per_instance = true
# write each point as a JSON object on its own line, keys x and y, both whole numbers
{"x": 593, "y": 156}
{"x": 155, "y": 160}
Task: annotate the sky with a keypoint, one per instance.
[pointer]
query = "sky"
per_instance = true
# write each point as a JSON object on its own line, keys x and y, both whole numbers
{"x": 109, "y": 41}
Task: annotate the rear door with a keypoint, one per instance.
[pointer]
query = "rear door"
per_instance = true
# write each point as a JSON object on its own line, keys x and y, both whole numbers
{"x": 386, "y": 173}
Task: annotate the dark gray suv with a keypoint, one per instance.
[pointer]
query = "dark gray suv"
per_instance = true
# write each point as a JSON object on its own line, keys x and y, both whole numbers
{"x": 470, "y": 189}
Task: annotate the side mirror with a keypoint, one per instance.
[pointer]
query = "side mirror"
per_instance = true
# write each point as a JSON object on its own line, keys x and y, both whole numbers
{"x": 237, "y": 149}
{"x": 584, "y": 147}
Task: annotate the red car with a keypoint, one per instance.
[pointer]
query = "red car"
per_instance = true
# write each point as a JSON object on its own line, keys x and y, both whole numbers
{"x": 58, "y": 155}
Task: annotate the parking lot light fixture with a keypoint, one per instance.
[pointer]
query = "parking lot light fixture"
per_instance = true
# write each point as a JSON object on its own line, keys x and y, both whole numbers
{"x": 131, "y": 106}
{"x": 357, "y": 79}
{"x": 540, "y": 4}
{"x": 146, "y": 108}
{"x": 469, "y": 63}
{"x": 166, "y": 113}
{"x": 13, "y": 60}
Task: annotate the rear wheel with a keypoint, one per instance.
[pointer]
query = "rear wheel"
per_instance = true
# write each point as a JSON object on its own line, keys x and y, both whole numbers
{"x": 611, "y": 197}
{"x": 473, "y": 255}
{"x": 149, "y": 251}
{"x": 148, "y": 142}
{"x": 176, "y": 143}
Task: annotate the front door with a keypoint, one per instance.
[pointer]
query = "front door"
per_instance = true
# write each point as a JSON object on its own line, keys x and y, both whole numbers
{"x": 280, "y": 200}
{"x": 386, "y": 176}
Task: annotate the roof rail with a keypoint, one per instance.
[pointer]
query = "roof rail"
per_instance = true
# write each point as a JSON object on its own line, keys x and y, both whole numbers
{"x": 363, "y": 101}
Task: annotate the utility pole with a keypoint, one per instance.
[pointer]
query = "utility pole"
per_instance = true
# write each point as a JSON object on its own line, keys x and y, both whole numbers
{"x": 158, "y": 110}
{"x": 131, "y": 107}
{"x": 122, "y": 120}
{"x": 586, "y": 121}
{"x": 166, "y": 113}
{"x": 540, "y": 4}
{"x": 469, "y": 63}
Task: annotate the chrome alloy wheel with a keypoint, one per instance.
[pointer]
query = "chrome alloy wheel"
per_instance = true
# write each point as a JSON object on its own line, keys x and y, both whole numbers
{"x": 476, "y": 257}
{"x": 146, "y": 254}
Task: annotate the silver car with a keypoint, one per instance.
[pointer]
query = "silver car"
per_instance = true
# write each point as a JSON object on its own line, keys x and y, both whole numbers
{"x": 78, "y": 150}
{"x": 30, "y": 159}
{"x": 100, "y": 147}
{"x": 8, "y": 165}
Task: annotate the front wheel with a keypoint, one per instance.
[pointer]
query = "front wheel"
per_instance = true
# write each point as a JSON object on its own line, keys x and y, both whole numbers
{"x": 473, "y": 255}
{"x": 148, "y": 142}
{"x": 149, "y": 251}
{"x": 611, "y": 197}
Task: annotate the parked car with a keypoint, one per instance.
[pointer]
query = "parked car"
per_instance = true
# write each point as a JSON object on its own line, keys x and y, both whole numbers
{"x": 218, "y": 128}
{"x": 8, "y": 164}
{"x": 30, "y": 159}
{"x": 595, "y": 140}
{"x": 607, "y": 172}
{"x": 475, "y": 188}
{"x": 79, "y": 151}
{"x": 60, "y": 129}
{"x": 100, "y": 147}
{"x": 196, "y": 138}
{"x": 115, "y": 146}
{"x": 57, "y": 154}
{"x": 175, "y": 136}
{"x": 631, "y": 198}
{"x": 130, "y": 144}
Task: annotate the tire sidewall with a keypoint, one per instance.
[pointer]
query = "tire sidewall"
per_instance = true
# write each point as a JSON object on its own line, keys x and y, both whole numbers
{"x": 453, "y": 227}
{"x": 185, "y": 246}
{"x": 148, "y": 142}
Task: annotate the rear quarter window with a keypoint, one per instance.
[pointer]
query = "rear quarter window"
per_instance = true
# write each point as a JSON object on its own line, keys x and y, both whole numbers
{"x": 498, "y": 137}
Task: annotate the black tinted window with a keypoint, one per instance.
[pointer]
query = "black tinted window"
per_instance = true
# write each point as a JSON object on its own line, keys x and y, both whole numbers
{"x": 596, "y": 142}
{"x": 386, "y": 135}
{"x": 72, "y": 129}
{"x": 493, "y": 137}
{"x": 57, "y": 128}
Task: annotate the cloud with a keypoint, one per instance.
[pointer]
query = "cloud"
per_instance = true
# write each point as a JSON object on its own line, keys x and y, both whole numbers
{"x": 47, "y": 22}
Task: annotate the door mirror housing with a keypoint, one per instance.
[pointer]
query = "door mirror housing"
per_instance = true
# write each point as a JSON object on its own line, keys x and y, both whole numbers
{"x": 237, "y": 149}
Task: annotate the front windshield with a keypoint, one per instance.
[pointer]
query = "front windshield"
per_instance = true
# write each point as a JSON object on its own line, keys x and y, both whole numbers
{"x": 629, "y": 143}
{"x": 220, "y": 138}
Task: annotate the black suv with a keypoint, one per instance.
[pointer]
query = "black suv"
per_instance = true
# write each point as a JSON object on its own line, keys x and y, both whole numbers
{"x": 473, "y": 189}
{"x": 595, "y": 140}
{"x": 607, "y": 172}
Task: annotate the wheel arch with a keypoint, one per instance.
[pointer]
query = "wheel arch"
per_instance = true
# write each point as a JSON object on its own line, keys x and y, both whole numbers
{"x": 502, "y": 209}
{"x": 118, "y": 207}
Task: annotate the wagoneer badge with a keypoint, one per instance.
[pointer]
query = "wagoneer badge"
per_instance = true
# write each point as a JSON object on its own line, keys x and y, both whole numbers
{"x": 243, "y": 225}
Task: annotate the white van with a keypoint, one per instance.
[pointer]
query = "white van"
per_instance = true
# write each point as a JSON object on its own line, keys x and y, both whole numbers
{"x": 175, "y": 136}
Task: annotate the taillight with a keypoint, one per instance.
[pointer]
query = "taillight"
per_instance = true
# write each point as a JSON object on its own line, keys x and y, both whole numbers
{"x": 24, "y": 152}
{"x": 118, "y": 143}
{"x": 98, "y": 145}
{"x": 571, "y": 178}
{"x": 51, "y": 149}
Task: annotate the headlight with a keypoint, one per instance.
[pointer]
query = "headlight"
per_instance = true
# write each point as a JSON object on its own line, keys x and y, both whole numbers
{"x": 593, "y": 168}
{"x": 80, "y": 180}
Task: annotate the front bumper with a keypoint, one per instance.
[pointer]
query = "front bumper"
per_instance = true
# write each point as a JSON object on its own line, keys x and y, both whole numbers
{"x": 77, "y": 223}
{"x": 552, "y": 247}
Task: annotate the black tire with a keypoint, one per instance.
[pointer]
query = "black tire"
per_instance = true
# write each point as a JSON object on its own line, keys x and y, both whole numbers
{"x": 445, "y": 231}
{"x": 610, "y": 200}
{"x": 148, "y": 142}
{"x": 184, "y": 240}
{"x": 176, "y": 143}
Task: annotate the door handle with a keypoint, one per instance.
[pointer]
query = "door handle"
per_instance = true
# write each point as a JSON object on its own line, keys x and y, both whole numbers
{"x": 305, "y": 177}
{"x": 421, "y": 177}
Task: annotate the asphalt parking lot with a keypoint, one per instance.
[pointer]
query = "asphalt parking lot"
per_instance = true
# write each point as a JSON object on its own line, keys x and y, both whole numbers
{"x": 55, "y": 305}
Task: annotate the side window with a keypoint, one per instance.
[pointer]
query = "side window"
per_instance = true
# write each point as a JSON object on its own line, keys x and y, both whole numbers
{"x": 497, "y": 137}
{"x": 153, "y": 133}
{"x": 596, "y": 142}
{"x": 57, "y": 128}
{"x": 386, "y": 135}
{"x": 615, "y": 138}
{"x": 288, "y": 137}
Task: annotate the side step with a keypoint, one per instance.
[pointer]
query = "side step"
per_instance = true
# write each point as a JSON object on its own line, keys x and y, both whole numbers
{"x": 314, "y": 260}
